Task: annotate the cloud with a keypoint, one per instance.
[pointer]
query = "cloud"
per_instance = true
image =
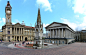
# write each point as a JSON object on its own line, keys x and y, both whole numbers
{"x": 17, "y": 20}
{"x": 4, "y": 20}
{"x": 72, "y": 25}
{"x": 44, "y": 25}
{"x": 76, "y": 26}
{"x": 45, "y": 4}
{"x": 79, "y": 6}
{"x": 76, "y": 15}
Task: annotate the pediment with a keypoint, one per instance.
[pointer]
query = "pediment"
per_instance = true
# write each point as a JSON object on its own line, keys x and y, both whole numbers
{"x": 18, "y": 24}
{"x": 54, "y": 24}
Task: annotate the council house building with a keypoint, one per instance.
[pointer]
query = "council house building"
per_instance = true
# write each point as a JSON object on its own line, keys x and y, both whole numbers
{"x": 16, "y": 32}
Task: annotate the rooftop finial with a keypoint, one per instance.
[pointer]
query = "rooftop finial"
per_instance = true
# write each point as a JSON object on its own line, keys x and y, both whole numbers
{"x": 39, "y": 5}
{"x": 7, "y": 1}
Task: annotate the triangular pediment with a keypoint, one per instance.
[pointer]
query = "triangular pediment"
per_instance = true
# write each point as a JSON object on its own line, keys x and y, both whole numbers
{"x": 54, "y": 24}
{"x": 18, "y": 24}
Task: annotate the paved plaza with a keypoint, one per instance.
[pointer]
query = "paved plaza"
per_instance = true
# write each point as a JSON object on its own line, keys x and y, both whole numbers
{"x": 71, "y": 49}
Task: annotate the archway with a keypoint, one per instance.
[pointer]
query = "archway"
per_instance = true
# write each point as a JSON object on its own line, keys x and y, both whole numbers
{"x": 25, "y": 38}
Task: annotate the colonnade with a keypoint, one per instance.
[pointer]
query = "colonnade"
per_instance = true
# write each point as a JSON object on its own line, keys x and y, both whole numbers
{"x": 18, "y": 30}
{"x": 20, "y": 38}
{"x": 60, "y": 33}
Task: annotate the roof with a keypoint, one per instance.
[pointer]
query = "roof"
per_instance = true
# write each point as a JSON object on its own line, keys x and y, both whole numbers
{"x": 59, "y": 23}
{"x": 29, "y": 27}
{"x": 56, "y": 23}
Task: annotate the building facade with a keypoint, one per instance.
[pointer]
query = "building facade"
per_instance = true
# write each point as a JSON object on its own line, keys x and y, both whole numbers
{"x": 59, "y": 33}
{"x": 80, "y": 36}
{"x": 16, "y": 32}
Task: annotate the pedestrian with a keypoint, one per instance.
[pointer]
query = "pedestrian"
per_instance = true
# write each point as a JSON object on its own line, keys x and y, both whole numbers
{"x": 15, "y": 44}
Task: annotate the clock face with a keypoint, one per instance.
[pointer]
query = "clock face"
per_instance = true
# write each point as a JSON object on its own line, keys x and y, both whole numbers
{"x": 8, "y": 12}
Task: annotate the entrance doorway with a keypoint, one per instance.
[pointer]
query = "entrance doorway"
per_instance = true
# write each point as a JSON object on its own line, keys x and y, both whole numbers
{"x": 25, "y": 38}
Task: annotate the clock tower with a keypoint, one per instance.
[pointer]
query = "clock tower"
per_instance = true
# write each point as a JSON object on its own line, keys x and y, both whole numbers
{"x": 8, "y": 13}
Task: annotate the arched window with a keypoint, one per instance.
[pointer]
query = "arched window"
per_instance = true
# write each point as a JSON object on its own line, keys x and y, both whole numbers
{"x": 8, "y": 19}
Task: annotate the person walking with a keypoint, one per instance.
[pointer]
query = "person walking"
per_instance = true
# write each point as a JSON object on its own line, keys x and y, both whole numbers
{"x": 15, "y": 44}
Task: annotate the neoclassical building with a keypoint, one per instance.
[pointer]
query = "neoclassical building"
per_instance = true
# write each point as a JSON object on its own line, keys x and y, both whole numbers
{"x": 80, "y": 36}
{"x": 59, "y": 33}
{"x": 17, "y": 31}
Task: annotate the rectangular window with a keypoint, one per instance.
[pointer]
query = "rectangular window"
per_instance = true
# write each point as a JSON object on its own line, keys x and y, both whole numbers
{"x": 59, "y": 41}
{"x": 63, "y": 42}
{"x": 8, "y": 32}
{"x": 28, "y": 33}
{"x": 8, "y": 37}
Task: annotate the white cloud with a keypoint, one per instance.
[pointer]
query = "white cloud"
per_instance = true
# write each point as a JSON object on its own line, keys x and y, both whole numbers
{"x": 79, "y": 6}
{"x": 4, "y": 20}
{"x": 75, "y": 26}
{"x": 72, "y": 25}
{"x": 45, "y": 4}
{"x": 17, "y": 21}
{"x": 76, "y": 15}
{"x": 44, "y": 25}
{"x": 13, "y": 23}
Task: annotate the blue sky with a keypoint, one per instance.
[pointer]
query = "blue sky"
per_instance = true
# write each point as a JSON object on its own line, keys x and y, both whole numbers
{"x": 71, "y": 12}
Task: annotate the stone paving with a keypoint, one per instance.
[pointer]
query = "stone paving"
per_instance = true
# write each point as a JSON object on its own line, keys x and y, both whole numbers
{"x": 71, "y": 49}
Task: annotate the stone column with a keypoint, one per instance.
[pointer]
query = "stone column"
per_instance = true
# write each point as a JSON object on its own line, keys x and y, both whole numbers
{"x": 53, "y": 33}
{"x": 19, "y": 38}
{"x": 65, "y": 32}
{"x": 62, "y": 33}
{"x": 14, "y": 38}
{"x": 19, "y": 30}
{"x": 56, "y": 34}
{"x": 59, "y": 33}
{"x": 50, "y": 33}
{"x": 14, "y": 30}
{"x": 23, "y": 31}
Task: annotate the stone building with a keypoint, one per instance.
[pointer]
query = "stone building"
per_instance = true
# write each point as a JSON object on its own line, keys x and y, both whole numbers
{"x": 59, "y": 33}
{"x": 77, "y": 36}
{"x": 0, "y": 35}
{"x": 18, "y": 31}
{"x": 83, "y": 35}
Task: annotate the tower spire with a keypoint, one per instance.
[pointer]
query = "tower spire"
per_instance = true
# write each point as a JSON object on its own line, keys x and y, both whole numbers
{"x": 38, "y": 17}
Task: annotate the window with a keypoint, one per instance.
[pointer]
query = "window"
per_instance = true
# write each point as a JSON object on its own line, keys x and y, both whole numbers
{"x": 8, "y": 27}
{"x": 56, "y": 42}
{"x": 28, "y": 33}
{"x": 8, "y": 19}
{"x": 59, "y": 41}
{"x": 63, "y": 42}
{"x": 8, "y": 32}
{"x": 8, "y": 37}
